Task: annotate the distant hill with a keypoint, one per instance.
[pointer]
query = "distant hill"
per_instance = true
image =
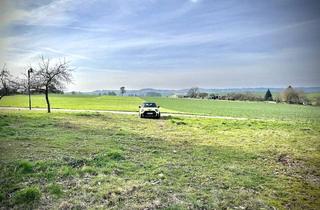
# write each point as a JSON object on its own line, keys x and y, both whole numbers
{"x": 165, "y": 92}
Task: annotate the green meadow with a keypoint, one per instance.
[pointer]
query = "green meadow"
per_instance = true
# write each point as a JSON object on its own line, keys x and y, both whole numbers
{"x": 252, "y": 110}
{"x": 91, "y": 102}
{"x": 110, "y": 161}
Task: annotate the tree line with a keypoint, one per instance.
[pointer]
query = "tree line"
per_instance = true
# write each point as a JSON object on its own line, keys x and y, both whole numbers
{"x": 289, "y": 95}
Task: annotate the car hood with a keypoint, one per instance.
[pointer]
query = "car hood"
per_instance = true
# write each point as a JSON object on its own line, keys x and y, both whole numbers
{"x": 149, "y": 108}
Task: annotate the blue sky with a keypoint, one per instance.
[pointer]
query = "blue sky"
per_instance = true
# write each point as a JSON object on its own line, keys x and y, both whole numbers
{"x": 167, "y": 43}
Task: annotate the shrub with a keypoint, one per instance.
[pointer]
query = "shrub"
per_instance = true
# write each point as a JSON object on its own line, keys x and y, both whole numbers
{"x": 28, "y": 195}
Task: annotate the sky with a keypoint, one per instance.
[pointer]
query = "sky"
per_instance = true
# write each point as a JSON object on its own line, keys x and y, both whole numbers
{"x": 167, "y": 44}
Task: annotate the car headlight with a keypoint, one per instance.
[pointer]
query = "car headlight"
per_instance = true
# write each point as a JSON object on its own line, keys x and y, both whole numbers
{"x": 156, "y": 110}
{"x": 142, "y": 110}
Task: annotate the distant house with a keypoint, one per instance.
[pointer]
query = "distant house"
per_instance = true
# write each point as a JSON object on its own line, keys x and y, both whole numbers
{"x": 173, "y": 96}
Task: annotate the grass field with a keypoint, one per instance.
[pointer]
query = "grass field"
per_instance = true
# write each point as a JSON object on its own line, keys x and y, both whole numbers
{"x": 76, "y": 102}
{"x": 85, "y": 102}
{"x": 80, "y": 160}
{"x": 253, "y": 110}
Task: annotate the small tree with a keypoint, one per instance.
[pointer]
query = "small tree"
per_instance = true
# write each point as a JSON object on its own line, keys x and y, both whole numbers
{"x": 52, "y": 75}
{"x": 193, "y": 92}
{"x": 122, "y": 90}
{"x": 268, "y": 96}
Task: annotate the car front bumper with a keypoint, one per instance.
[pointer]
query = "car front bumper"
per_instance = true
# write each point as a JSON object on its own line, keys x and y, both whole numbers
{"x": 150, "y": 114}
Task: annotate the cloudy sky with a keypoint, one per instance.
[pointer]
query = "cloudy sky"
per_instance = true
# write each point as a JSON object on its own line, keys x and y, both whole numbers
{"x": 167, "y": 43}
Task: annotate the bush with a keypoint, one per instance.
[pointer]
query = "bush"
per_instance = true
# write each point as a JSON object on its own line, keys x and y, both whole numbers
{"x": 28, "y": 195}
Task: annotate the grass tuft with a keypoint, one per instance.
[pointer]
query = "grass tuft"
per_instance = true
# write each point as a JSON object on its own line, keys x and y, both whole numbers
{"x": 89, "y": 170}
{"x": 55, "y": 190}
{"x": 115, "y": 155}
{"x": 25, "y": 166}
{"x": 28, "y": 195}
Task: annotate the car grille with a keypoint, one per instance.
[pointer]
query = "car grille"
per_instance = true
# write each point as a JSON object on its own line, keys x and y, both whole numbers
{"x": 149, "y": 113}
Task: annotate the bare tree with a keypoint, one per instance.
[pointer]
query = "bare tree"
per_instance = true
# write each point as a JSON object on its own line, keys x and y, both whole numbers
{"x": 193, "y": 92}
{"x": 292, "y": 96}
{"x": 122, "y": 90}
{"x": 23, "y": 83}
{"x": 52, "y": 74}
{"x": 5, "y": 81}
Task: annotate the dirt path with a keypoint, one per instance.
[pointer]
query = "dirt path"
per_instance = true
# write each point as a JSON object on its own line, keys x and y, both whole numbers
{"x": 126, "y": 112}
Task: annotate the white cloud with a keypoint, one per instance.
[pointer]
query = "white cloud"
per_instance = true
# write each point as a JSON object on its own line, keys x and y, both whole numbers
{"x": 164, "y": 37}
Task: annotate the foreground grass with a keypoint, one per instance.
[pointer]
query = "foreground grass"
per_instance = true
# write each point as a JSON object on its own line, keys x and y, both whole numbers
{"x": 111, "y": 161}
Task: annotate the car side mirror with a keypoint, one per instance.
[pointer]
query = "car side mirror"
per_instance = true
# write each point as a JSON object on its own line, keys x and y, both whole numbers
{"x": 139, "y": 106}
{"x": 158, "y": 106}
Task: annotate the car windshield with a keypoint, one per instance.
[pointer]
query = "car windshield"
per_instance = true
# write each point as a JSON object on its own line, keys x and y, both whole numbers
{"x": 149, "y": 105}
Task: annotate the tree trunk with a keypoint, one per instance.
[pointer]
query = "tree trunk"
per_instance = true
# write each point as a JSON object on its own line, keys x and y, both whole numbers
{"x": 47, "y": 99}
{"x": 5, "y": 93}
